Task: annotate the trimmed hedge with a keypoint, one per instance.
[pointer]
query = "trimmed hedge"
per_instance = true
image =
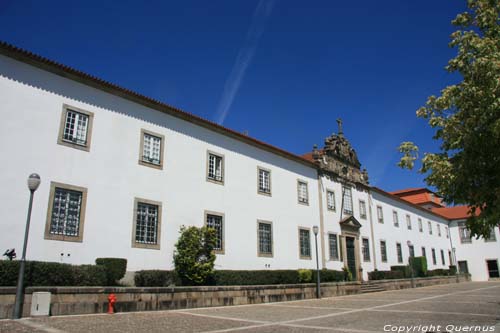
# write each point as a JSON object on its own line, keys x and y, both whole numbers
{"x": 419, "y": 265}
{"x": 115, "y": 269}
{"x": 386, "y": 275}
{"x": 38, "y": 273}
{"x": 161, "y": 278}
{"x": 405, "y": 270}
{"x": 439, "y": 272}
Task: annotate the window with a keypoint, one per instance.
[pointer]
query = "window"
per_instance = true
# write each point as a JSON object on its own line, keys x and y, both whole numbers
{"x": 395, "y": 218}
{"x": 347, "y": 200}
{"x": 76, "y": 127}
{"x": 305, "y": 243}
{"x": 303, "y": 195}
{"x": 147, "y": 217}
{"x": 380, "y": 214}
{"x": 433, "y": 257}
{"x": 420, "y": 226}
{"x": 411, "y": 250}
{"x": 465, "y": 236}
{"x": 330, "y": 200}
{"x": 491, "y": 237}
{"x": 449, "y": 257}
{"x": 362, "y": 209}
{"x": 447, "y": 231}
{"x": 408, "y": 222}
{"x": 264, "y": 180}
{"x": 66, "y": 212}
{"x": 383, "y": 251}
{"x": 151, "y": 149}
{"x": 366, "y": 249}
{"x": 265, "y": 238}
{"x": 399, "y": 251}
{"x": 430, "y": 227}
{"x": 216, "y": 221}
{"x": 423, "y": 252}
{"x": 442, "y": 257}
{"x": 215, "y": 168}
{"x": 439, "y": 230}
{"x": 334, "y": 249}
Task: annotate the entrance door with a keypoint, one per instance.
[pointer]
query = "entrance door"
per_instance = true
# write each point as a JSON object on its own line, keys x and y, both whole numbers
{"x": 351, "y": 256}
{"x": 462, "y": 266}
{"x": 492, "y": 268}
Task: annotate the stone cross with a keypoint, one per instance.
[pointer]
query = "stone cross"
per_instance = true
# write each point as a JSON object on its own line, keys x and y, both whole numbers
{"x": 339, "y": 122}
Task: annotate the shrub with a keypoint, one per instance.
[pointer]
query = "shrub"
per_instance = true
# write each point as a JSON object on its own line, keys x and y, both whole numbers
{"x": 347, "y": 273}
{"x": 385, "y": 275}
{"x": 453, "y": 269}
{"x": 305, "y": 275}
{"x": 155, "y": 278}
{"x": 438, "y": 272}
{"x": 38, "y": 273}
{"x": 194, "y": 255}
{"x": 115, "y": 269}
{"x": 405, "y": 270}
{"x": 329, "y": 275}
{"x": 419, "y": 265}
{"x": 255, "y": 277}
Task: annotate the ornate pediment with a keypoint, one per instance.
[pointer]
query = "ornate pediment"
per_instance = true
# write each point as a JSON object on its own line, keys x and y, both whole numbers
{"x": 350, "y": 222}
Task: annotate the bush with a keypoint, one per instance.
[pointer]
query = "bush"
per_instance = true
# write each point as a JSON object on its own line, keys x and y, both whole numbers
{"x": 419, "y": 265}
{"x": 329, "y": 275}
{"x": 439, "y": 272}
{"x": 38, "y": 273}
{"x": 115, "y": 269}
{"x": 156, "y": 278}
{"x": 255, "y": 277}
{"x": 405, "y": 270}
{"x": 305, "y": 275}
{"x": 453, "y": 269}
{"x": 194, "y": 256}
{"x": 385, "y": 275}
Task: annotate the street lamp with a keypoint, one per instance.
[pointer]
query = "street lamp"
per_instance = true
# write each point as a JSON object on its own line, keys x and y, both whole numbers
{"x": 315, "y": 230}
{"x": 33, "y": 183}
{"x": 410, "y": 264}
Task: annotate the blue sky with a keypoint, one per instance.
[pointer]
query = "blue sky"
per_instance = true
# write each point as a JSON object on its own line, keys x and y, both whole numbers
{"x": 282, "y": 70}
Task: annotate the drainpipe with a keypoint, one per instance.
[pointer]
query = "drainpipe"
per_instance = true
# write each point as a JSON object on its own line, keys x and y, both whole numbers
{"x": 321, "y": 221}
{"x": 371, "y": 229}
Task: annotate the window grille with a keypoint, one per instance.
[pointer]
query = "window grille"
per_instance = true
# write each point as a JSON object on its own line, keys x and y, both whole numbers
{"x": 151, "y": 150}
{"x": 366, "y": 249}
{"x": 334, "y": 249}
{"x": 439, "y": 230}
{"x": 447, "y": 231}
{"x": 395, "y": 218}
{"x": 380, "y": 214}
{"x": 411, "y": 249}
{"x": 465, "y": 236}
{"x": 383, "y": 251}
{"x": 423, "y": 252}
{"x": 399, "y": 251}
{"x": 348, "y": 207}
{"x": 264, "y": 181}
{"x": 433, "y": 257}
{"x": 442, "y": 258}
{"x": 303, "y": 194}
{"x": 430, "y": 227}
{"x": 362, "y": 209}
{"x": 420, "y": 226}
{"x": 265, "y": 238}
{"x": 65, "y": 219}
{"x": 215, "y": 167}
{"x": 330, "y": 200}
{"x": 408, "y": 222}
{"x": 305, "y": 243}
{"x": 75, "y": 127}
{"x": 215, "y": 222}
{"x": 146, "y": 225}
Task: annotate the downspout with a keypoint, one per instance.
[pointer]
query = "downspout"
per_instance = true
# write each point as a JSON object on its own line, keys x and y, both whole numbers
{"x": 371, "y": 229}
{"x": 321, "y": 221}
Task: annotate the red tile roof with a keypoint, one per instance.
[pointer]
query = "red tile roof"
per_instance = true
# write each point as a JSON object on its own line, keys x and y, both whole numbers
{"x": 454, "y": 213}
{"x": 409, "y": 190}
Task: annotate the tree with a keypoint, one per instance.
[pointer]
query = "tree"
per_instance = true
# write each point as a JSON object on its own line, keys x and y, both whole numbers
{"x": 194, "y": 255}
{"x": 466, "y": 119}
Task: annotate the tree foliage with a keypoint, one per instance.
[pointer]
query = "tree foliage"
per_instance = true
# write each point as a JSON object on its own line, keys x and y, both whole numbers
{"x": 194, "y": 256}
{"x": 466, "y": 119}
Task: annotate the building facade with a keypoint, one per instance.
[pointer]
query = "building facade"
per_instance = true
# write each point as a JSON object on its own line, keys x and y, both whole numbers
{"x": 121, "y": 173}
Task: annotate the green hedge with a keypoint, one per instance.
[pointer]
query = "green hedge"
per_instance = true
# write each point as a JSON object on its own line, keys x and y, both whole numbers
{"x": 439, "y": 272}
{"x": 419, "y": 265}
{"x": 405, "y": 270}
{"x": 38, "y": 273}
{"x": 329, "y": 275}
{"x": 156, "y": 278}
{"x": 115, "y": 269}
{"x": 386, "y": 275}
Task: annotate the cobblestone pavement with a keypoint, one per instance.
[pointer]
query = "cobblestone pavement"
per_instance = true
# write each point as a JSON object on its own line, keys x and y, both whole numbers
{"x": 464, "y": 307}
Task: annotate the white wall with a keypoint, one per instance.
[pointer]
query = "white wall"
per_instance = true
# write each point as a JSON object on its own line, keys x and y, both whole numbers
{"x": 31, "y": 108}
{"x": 476, "y": 252}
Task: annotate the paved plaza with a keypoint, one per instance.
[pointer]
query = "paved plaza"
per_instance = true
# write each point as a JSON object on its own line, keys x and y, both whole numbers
{"x": 464, "y": 307}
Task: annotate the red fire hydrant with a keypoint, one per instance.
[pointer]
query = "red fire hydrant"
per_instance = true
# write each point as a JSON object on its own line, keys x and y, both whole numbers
{"x": 111, "y": 303}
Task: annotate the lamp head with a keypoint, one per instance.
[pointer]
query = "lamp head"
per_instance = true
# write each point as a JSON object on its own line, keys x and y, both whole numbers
{"x": 33, "y": 182}
{"x": 315, "y": 230}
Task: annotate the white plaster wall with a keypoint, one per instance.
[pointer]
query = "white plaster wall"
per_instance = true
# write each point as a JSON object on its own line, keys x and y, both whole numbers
{"x": 476, "y": 253}
{"x": 31, "y": 106}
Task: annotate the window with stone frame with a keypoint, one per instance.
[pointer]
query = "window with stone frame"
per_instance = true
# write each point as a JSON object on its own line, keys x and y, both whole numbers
{"x": 395, "y": 218}
{"x": 492, "y": 237}
{"x": 442, "y": 258}
{"x": 429, "y": 225}
{"x": 439, "y": 229}
{"x": 264, "y": 181}
{"x": 305, "y": 243}
{"x": 408, "y": 222}
{"x": 333, "y": 246}
{"x": 399, "y": 252}
{"x": 434, "y": 261}
{"x": 76, "y": 128}
{"x": 447, "y": 231}
{"x": 423, "y": 252}
{"x": 265, "y": 238}
{"x": 330, "y": 200}
{"x": 366, "y": 249}
{"x": 147, "y": 222}
{"x": 151, "y": 149}
{"x": 216, "y": 222}
{"x": 380, "y": 214}
{"x": 348, "y": 206}
{"x": 65, "y": 212}
{"x": 215, "y": 168}
{"x": 420, "y": 225}
{"x": 411, "y": 251}
{"x": 302, "y": 192}
{"x": 362, "y": 209}
{"x": 383, "y": 251}
{"x": 465, "y": 235}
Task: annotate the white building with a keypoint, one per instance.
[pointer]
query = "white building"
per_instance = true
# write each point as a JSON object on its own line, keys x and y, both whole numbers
{"x": 121, "y": 173}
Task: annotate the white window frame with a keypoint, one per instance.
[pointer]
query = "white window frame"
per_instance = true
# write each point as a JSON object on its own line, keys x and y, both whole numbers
{"x": 144, "y": 243}
{"x": 220, "y": 248}
{"x": 263, "y": 184}
{"x": 146, "y": 157}
{"x": 408, "y": 222}
{"x": 330, "y": 200}
{"x": 302, "y": 192}
{"x": 348, "y": 208}
{"x": 362, "y": 209}
{"x": 73, "y": 139}
{"x": 261, "y": 234}
{"x": 380, "y": 214}
{"x": 395, "y": 218}
{"x": 215, "y": 162}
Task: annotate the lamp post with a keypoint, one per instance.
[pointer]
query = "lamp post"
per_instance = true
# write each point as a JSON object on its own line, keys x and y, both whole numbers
{"x": 315, "y": 230}
{"x": 410, "y": 264}
{"x": 33, "y": 183}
